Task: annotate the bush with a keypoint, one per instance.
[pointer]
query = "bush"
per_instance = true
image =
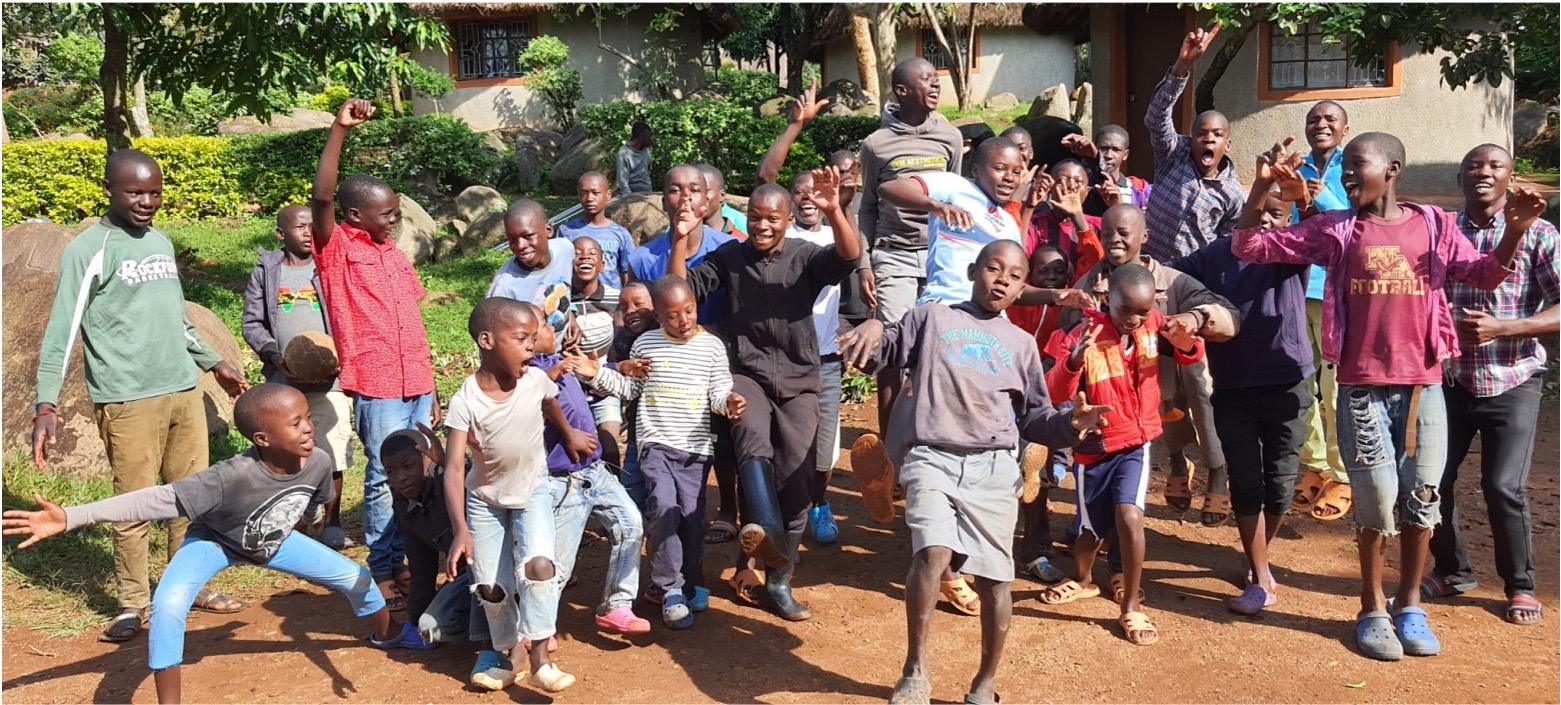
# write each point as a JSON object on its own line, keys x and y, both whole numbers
{"x": 75, "y": 57}
{"x": 58, "y": 108}
{"x": 330, "y": 99}
{"x": 743, "y": 86}
{"x": 546, "y": 61}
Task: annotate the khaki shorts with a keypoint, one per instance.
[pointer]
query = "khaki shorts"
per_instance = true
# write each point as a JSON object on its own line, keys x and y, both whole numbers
{"x": 901, "y": 275}
{"x": 967, "y": 502}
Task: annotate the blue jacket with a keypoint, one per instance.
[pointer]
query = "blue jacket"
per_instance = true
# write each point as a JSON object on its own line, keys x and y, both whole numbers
{"x": 1272, "y": 346}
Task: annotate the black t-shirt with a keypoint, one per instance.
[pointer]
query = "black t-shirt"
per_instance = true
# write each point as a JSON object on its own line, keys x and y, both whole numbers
{"x": 250, "y": 510}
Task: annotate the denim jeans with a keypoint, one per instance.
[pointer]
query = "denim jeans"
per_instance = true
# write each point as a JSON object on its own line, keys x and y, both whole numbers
{"x": 593, "y": 491}
{"x": 828, "y": 438}
{"x": 1373, "y": 424}
{"x": 629, "y": 475}
{"x": 374, "y": 419}
{"x": 503, "y": 541}
{"x": 454, "y": 613}
{"x": 199, "y": 559}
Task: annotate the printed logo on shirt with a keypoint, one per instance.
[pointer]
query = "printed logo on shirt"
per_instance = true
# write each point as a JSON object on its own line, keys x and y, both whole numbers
{"x": 1392, "y": 274}
{"x": 153, "y": 268}
{"x": 288, "y": 297}
{"x": 977, "y": 350}
{"x": 269, "y": 524}
{"x": 940, "y": 163}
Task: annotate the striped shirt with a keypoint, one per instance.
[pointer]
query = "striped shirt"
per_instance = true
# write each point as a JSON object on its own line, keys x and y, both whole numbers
{"x": 1504, "y": 363}
{"x": 689, "y": 380}
{"x": 1186, "y": 211}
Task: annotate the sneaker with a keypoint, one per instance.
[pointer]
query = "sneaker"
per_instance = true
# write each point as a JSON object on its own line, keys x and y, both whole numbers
{"x": 492, "y": 672}
{"x": 701, "y": 601}
{"x": 551, "y": 678}
{"x": 335, "y": 538}
{"x": 1042, "y": 569}
{"x": 675, "y": 613}
{"x": 823, "y": 522}
{"x": 622, "y": 620}
{"x": 406, "y": 638}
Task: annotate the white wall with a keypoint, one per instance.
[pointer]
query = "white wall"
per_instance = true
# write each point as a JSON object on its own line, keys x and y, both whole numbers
{"x": 1013, "y": 60}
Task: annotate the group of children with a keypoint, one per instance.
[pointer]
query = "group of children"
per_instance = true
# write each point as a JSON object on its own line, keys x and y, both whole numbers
{"x": 1023, "y": 323}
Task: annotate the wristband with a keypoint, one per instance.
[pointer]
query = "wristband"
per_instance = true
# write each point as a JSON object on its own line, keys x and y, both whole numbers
{"x": 39, "y": 413}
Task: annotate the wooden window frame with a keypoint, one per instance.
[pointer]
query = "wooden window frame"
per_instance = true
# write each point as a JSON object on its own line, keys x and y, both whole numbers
{"x": 452, "y": 19}
{"x": 975, "y": 66}
{"x": 1394, "y": 65}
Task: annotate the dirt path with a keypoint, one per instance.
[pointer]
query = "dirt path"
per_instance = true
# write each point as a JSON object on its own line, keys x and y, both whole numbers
{"x": 299, "y": 645}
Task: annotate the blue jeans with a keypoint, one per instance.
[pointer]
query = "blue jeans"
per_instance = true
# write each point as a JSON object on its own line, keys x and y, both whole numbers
{"x": 504, "y": 540}
{"x": 828, "y": 449}
{"x": 630, "y": 476}
{"x": 594, "y": 491}
{"x": 199, "y": 559}
{"x": 454, "y": 613}
{"x": 374, "y": 419}
{"x": 1373, "y": 422}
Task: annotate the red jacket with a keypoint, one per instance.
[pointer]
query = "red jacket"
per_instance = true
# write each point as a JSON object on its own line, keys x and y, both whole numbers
{"x": 1131, "y": 387}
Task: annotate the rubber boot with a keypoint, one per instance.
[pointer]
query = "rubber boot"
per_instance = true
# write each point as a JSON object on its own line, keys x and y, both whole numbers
{"x": 764, "y": 536}
{"x": 778, "y": 583}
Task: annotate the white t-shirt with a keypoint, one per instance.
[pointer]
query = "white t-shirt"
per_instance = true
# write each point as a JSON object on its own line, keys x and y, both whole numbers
{"x": 510, "y": 434}
{"x": 826, "y": 308}
{"x": 951, "y": 250}
{"x": 547, "y": 287}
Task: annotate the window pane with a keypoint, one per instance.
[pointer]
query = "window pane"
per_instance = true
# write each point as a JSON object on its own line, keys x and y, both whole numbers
{"x": 931, "y": 51}
{"x": 1325, "y": 74}
{"x": 1287, "y": 49}
{"x": 1319, "y": 48}
{"x": 1289, "y": 75}
{"x": 1377, "y": 75}
{"x": 491, "y": 49}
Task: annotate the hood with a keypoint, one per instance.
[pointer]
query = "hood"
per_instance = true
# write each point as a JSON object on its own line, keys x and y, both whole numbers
{"x": 891, "y": 120}
{"x": 270, "y": 258}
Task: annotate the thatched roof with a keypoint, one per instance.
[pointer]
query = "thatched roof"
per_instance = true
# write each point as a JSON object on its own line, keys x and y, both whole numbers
{"x": 988, "y": 14}
{"x": 1041, "y": 18}
{"x": 716, "y": 20}
{"x": 481, "y": 8}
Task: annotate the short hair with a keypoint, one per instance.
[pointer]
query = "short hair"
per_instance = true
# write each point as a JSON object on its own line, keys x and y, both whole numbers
{"x": 1209, "y": 115}
{"x": 1486, "y": 147}
{"x": 357, "y": 189}
{"x": 1112, "y": 130}
{"x": 127, "y": 158}
{"x": 666, "y": 284}
{"x": 667, "y": 182}
{"x": 1057, "y": 168}
{"x": 289, "y": 210}
{"x": 1131, "y": 275}
{"x": 525, "y": 207}
{"x": 253, "y": 406}
{"x": 901, "y": 75}
{"x": 1049, "y": 248}
{"x": 632, "y": 284}
{"x": 400, "y": 442}
{"x": 712, "y": 175}
{"x": 1335, "y": 104}
{"x": 774, "y": 191}
{"x": 639, "y": 128}
{"x": 587, "y": 238}
{"x": 994, "y": 246}
{"x": 1122, "y": 210}
{"x": 493, "y": 311}
{"x": 1015, "y": 130}
{"x": 795, "y": 179}
{"x": 592, "y": 175}
{"x": 1385, "y": 144}
{"x": 988, "y": 146}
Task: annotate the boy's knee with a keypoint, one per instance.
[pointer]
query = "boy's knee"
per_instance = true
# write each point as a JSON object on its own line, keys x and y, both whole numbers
{"x": 539, "y": 569}
{"x": 933, "y": 556}
{"x": 489, "y": 593}
{"x": 1423, "y": 507}
{"x": 1130, "y": 514}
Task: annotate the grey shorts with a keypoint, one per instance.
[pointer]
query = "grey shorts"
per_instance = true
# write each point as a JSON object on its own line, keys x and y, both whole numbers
{"x": 967, "y": 502}
{"x": 607, "y": 410}
{"x": 900, "y": 276}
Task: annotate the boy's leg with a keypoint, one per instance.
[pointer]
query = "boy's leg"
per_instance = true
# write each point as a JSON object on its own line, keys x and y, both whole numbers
{"x": 921, "y": 599}
{"x": 311, "y": 560}
{"x": 1507, "y": 437}
{"x": 1366, "y": 439}
{"x": 899, "y": 276}
{"x": 1129, "y": 483}
{"x": 1097, "y": 512}
{"x": 1284, "y": 430}
{"x": 726, "y": 484}
{"x": 1419, "y": 486}
{"x": 1237, "y": 416}
{"x": 193, "y": 565}
{"x": 688, "y": 479}
{"x": 134, "y": 435}
{"x": 826, "y": 448}
{"x": 631, "y": 477}
{"x": 1450, "y": 559}
{"x": 448, "y": 617}
{"x": 608, "y": 414}
{"x": 538, "y": 583}
{"x": 930, "y": 477}
{"x": 610, "y": 504}
{"x": 571, "y": 510}
{"x": 375, "y": 419}
{"x": 997, "y": 597}
{"x": 493, "y": 570}
{"x": 796, "y": 422}
{"x": 755, "y": 443}
{"x": 1199, "y": 387}
{"x": 658, "y": 463}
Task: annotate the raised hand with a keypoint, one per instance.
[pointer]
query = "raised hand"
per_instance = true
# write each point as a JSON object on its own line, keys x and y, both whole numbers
{"x": 1081, "y": 146}
{"x": 1040, "y": 188}
{"x": 1082, "y": 346}
{"x": 1075, "y": 298}
{"x": 435, "y": 449}
{"x": 1195, "y": 44}
{"x": 1524, "y": 206}
{"x": 48, "y": 521}
{"x": 826, "y": 189}
{"x": 584, "y": 366}
{"x": 563, "y": 367}
{"x": 685, "y": 220}
{"x": 1025, "y": 181}
{"x": 354, "y": 112}
{"x": 1109, "y": 193}
{"x": 1181, "y": 330}
{"x": 735, "y": 406}
{"x": 1068, "y": 198}
{"x": 805, "y": 108}
{"x": 1087, "y": 418}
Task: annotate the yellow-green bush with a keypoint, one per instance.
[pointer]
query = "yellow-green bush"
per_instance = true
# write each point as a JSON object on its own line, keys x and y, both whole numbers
{"x": 61, "y": 179}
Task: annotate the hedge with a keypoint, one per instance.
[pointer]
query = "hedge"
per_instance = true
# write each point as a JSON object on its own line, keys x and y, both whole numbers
{"x": 223, "y": 176}
{"x": 724, "y": 133}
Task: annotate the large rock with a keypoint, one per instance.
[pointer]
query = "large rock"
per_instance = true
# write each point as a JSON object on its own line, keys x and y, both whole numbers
{"x": 1002, "y": 101}
{"x": 1052, "y": 101}
{"x": 31, "y": 265}
{"x": 572, "y": 138}
{"x": 640, "y": 213}
{"x": 480, "y": 236}
{"x": 1528, "y": 122}
{"x": 414, "y": 233}
{"x": 534, "y": 149}
{"x": 1046, "y": 133}
{"x": 564, "y": 179}
{"x": 774, "y": 106}
{"x": 299, "y": 119}
{"x": 1084, "y": 108}
{"x": 847, "y": 98}
{"x": 478, "y": 201}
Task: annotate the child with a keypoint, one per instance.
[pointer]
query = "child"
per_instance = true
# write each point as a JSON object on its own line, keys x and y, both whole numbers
{"x": 371, "y": 292}
{"x": 1386, "y": 324}
{"x": 1048, "y": 270}
{"x": 1112, "y": 358}
{"x": 1062, "y": 223}
{"x": 281, "y": 301}
{"x": 241, "y": 511}
{"x": 1262, "y": 394}
{"x": 633, "y": 162}
{"x": 502, "y": 514}
{"x": 594, "y": 305}
{"x": 1106, "y": 154}
{"x": 119, "y": 285}
{"x": 614, "y": 240}
{"x": 961, "y": 479}
{"x": 719, "y": 215}
{"x": 635, "y": 315}
{"x": 680, "y": 378}
{"x": 540, "y": 268}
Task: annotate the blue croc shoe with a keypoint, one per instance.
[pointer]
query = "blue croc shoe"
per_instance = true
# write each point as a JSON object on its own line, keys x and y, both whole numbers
{"x": 701, "y": 601}
{"x": 1414, "y": 632}
{"x": 675, "y": 612}
{"x": 823, "y": 522}
{"x": 1374, "y": 635}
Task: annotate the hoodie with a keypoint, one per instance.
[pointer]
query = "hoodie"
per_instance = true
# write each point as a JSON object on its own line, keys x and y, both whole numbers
{"x": 258, "y": 324}
{"x": 898, "y": 150}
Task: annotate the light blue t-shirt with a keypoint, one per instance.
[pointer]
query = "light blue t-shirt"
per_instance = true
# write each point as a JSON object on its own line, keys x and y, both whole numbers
{"x": 739, "y": 219}
{"x": 951, "y": 250}
{"x": 1332, "y": 197}
{"x": 617, "y": 244}
{"x": 547, "y": 287}
{"x": 649, "y": 263}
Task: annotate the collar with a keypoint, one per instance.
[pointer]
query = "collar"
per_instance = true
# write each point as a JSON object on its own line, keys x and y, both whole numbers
{"x": 1102, "y": 277}
{"x": 1336, "y": 159}
{"x": 1498, "y": 222}
{"x": 356, "y": 233}
{"x": 430, "y": 484}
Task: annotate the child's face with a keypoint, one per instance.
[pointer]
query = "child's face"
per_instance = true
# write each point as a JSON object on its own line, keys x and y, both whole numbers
{"x": 405, "y": 472}
{"x": 1325, "y": 127}
{"x": 1130, "y": 307}
{"x": 1026, "y": 146}
{"x": 638, "y": 313}
{"x": 135, "y": 193}
{"x": 509, "y": 347}
{"x": 1048, "y": 270}
{"x": 802, "y": 208}
{"x": 684, "y": 183}
{"x": 769, "y": 216}
{"x": 1071, "y": 171}
{"x": 1275, "y": 215}
{"x": 588, "y": 260}
{"x": 998, "y": 280}
{"x": 1113, "y": 152}
{"x": 287, "y": 429}
{"x": 527, "y": 235}
{"x": 677, "y": 313}
{"x": 1210, "y": 139}
{"x": 999, "y": 176}
{"x": 1122, "y": 234}
{"x": 1366, "y": 173}
{"x": 1485, "y": 176}
{"x": 594, "y": 195}
{"x": 850, "y": 175}
{"x": 295, "y": 227}
{"x": 377, "y": 215}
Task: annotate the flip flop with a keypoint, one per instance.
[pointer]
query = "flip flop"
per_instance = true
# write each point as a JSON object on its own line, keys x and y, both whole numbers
{"x": 973, "y": 699}
{"x": 217, "y": 603}
{"x": 1308, "y": 490}
{"x": 1520, "y": 604}
{"x": 876, "y": 476}
{"x": 720, "y": 531}
{"x": 1042, "y": 569}
{"x": 1334, "y": 503}
{"x": 1433, "y": 586}
{"x": 959, "y": 594}
{"x": 1375, "y": 637}
{"x": 911, "y": 691}
{"x": 1414, "y": 632}
{"x": 1070, "y": 591}
{"x": 1138, "y": 622}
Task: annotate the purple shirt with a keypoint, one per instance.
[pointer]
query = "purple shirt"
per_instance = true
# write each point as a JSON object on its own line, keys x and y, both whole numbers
{"x": 577, "y": 409}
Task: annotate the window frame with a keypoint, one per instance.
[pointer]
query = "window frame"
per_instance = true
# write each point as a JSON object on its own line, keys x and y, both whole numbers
{"x": 453, "y": 22}
{"x": 1393, "y": 66}
{"x": 975, "y": 50}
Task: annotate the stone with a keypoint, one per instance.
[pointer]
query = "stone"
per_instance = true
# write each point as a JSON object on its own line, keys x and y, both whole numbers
{"x": 1002, "y": 101}
{"x": 1528, "y": 122}
{"x": 298, "y": 119}
{"x": 1084, "y": 108}
{"x": 414, "y": 232}
{"x": 30, "y": 268}
{"x": 459, "y": 226}
{"x": 446, "y": 247}
{"x": 572, "y": 138}
{"x": 1052, "y": 101}
{"x": 974, "y": 130}
{"x": 481, "y": 235}
{"x": 478, "y": 201}
{"x": 847, "y": 98}
{"x": 564, "y": 179}
{"x": 641, "y": 213}
{"x": 774, "y": 106}
{"x": 494, "y": 141}
{"x": 534, "y": 149}
{"x": 869, "y": 111}
{"x": 1046, "y": 133}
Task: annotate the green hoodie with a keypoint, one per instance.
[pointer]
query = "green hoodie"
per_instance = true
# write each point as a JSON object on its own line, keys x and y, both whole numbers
{"x": 121, "y": 289}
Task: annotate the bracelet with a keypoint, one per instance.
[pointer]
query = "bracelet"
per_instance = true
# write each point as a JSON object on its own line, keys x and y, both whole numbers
{"x": 40, "y": 413}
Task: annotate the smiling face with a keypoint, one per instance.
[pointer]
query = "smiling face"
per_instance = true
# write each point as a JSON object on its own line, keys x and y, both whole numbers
{"x": 1326, "y": 126}
{"x": 1048, "y": 269}
{"x": 769, "y": 216}
{"x": 1485, "y": 176}
{"x": 1070, "y": 171}
{"x": 510, "y": 345}
{"x": 1210, "y": 138}
{"x": 286, "y": 426}
{"x": 527, "y": 234}
{"x": 1122, "y": 232}
{"x": 135, "y": 193}
{"x": 921, "y": 86}
{"x": 850, "y": 175}
{"x": 635, "y": 305}
{"x": 594, "y": 195}
{"x": 1130, "y": 306}
{"x": 1367, "y": 171}
{"x": 1276, "y": 213}
{"x": 1113, "y": 152}
{"x": 997, "y": 276}
{"x": 588, "y": 261}
{"x": 807, "y": 215}
{"x": 998, "y": 175}
{"x": 684, "y": 183}
{"x": 678, "y": 313}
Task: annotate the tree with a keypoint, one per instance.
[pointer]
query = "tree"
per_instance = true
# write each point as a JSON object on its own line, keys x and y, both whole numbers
{"x": 1480, "y": 38}
{"x": 866, "y": 57}
{"x": 957, "y": 43}
{"x": 546, "y": 62}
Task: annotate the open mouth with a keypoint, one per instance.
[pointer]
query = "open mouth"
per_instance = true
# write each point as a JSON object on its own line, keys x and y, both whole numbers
{"x": 1484, "y": 187}
{"x": 585, "y": 268}
{"x": 808, "y": 210}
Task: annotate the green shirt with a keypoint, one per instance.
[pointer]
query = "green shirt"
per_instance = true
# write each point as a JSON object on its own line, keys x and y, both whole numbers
{"x": 121, "y": 289}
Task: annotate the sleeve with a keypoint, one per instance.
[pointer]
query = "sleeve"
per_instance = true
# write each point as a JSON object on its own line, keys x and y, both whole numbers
{"x": 1190, "y": 264}
{"x": 625, "y": 249}
{"x": 1189, "y": 357}
{"x": 1310, "y": 241}
{"x": 327, "y": 489}
{"x": 1062, "y": 383}
{"x": 1039, "y": 421}
{"x": 1091, "y": 251}
{"x": 1465, "y": 262}
{"x": 149, "y": 504}
{"x": 253, "y": 326}
{"x": 1541, "y": 241}
{"x": 899, "y": 347}
{"x": 73, "y": 292}
{"x": 611, "y": 382}
{"x": 1189, "y": 294}
{"x": 707, "y": 277}
{"x": 941, "y": 186}
{"x": 423, "y": 564}
{"x": 867, "y": 212}
{"x": 956, "y": 143}
{"x": 827, "y": 267}
{"x": 720, "y": 377}
{"x": 200, "y": 492}
{"x": 1159, "y": 117}
{"x": 622, "y": 168}
{"x": 459, "y": 416}
{"x": 205, "y": 357}
{"x": 549, "y": 387}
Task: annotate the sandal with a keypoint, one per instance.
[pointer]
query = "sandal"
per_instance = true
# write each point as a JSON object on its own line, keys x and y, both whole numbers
{"x": 1032, "y": 465}
{"x": 124, "y": 626}
{"x": 1308, "y": 490}
{"x": 1334, "y": 503}
{"x": 1434, "y": 586}
{"x": 1042, "y": 569}
{"x": 1374, "y": 635}
{"x": 911, "y": 691}
{"x": 1178, "y": 492}
{"x": 217, "y": 603}
{"x": 959, "y": 594}
{"x": 1414, "y": 632}
{"x": 1138, "y": 623}
{"x": 1068, "y": 592}
{"x": 1119, "y": 589}
{"x": 1523, "y": 609}
{"x": 1215, "y": 505}
{"x": 720, "y": 531}
{"x": 875, "y": 474}
{"x": 749, "y": 584}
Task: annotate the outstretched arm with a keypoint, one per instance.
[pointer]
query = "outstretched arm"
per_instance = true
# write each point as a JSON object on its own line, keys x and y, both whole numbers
{"x": 323, "y": 204}
{"x": 148, "y": 504}
{"x": 803, "y": 110}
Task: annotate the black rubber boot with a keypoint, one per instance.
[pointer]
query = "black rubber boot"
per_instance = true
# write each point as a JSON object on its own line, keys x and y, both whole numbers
{"x": 764, "y": 536}
{"x": 778, "y": 583}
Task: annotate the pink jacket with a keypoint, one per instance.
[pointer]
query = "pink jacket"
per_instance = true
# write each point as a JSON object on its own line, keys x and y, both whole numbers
{"x": 1324, "y": 239}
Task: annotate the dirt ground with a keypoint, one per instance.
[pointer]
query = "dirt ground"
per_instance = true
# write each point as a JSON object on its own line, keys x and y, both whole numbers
{"x": 300, "y": 645}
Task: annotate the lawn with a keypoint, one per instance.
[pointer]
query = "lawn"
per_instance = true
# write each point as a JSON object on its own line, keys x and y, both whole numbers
{"x": 999, "y": 120}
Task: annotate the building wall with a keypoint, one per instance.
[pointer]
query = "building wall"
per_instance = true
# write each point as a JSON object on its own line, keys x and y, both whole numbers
{"x": 1012, "y": 60}
{"x": 604, "y": 76}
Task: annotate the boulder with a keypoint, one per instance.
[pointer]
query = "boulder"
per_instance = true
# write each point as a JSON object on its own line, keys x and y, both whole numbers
{"x": 1046, "y": 133}
{"x": 1528, "y": 122}
{"x": 869, "y": 111}
{"x": 299, "y": 119}
{"x": 534, "y": 149}
{"x": 31, "y": 264}
{"x": 1084, "y": 108}
{"x": 773, "y": 106}
{"x": 1002, "y": 101}
{"x": 1052, "y": 101}
{"x": 478, "y": 201}
{"x": 459, "y": 226}
{"x": 572, "y": 138}
{"x": 847, "y": 98}
{"x": 446, "y": 247}
{"x": 494, "y": 141}
{"x": 482, "y": 235}
{"x": 414, "y": 233}
{"x": 564, "y": 179}
{"x": 641, "y": 214}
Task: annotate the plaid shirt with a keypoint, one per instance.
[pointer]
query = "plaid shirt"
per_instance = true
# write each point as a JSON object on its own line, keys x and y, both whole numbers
{"x": 1504, "y": 363}
{"x": 1186, "y": 211}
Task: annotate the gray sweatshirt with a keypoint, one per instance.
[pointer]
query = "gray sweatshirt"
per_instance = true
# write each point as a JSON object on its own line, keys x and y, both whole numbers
{"x": 894, "y": 151}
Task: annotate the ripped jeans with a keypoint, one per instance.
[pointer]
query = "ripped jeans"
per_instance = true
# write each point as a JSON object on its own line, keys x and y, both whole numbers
{"x": 504, "y": 540}
{"x": 1372, "y": 424}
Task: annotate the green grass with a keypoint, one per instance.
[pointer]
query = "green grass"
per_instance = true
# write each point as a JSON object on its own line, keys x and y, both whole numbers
{"x": 999, "y": 120}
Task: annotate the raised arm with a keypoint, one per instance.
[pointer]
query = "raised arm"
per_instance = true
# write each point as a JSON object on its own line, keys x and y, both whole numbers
{"x": 909, "y": 193}
{"x": 1466, "y": 264}
{"x": 1159, "y": 117}
{"x": 826, "y": 196}
{"x": 323, "y": 204}
{"x": 803, "y": 110}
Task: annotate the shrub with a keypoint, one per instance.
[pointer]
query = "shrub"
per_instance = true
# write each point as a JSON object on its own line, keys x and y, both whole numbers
{"x": 75, "y": 57}
{"x": 743, "y": 86}
{"x": 56, "y": 108}
{"x": 330, "y": 99}
{"x": 546, "y": 60}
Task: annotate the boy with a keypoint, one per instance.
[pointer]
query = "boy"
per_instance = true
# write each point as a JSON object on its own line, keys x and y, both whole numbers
{"x": 1112, "y": 358}
{"x": 961, "y": 478}
{"x": 1021, "y": 137}
{"x": 615, "y": 241}
{"x": 633, "y": 162}
{"x": 118, "y": 284}
{"x": 540, "y": 268}
{"x": 1063, "y": 224}
{"x": 718, "y": 214}
{"x": 502, "y": 514}
{"x": 241, "y": 511}
{"x": 371, "y": 293}
{"x": 594, "y": 305}
{"x": 1197, "y": 196}
{"x": 1386, "y": 324}
{"x": 1493, "y": 386}
{"x": 1106, "y": 154}
{"x": 1262, "y": 393}
{"x": 682, "y": 378}
{"x": 771, "y": 284}
{"x": 281, "y": 301}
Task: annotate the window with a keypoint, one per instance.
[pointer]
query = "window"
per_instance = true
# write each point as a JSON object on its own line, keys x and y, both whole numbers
{"x": 927, "y": 48}
{"x": 1306, "y": 66}
{"x": 491, "y": 49}
{"x": 932, "y": 52}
